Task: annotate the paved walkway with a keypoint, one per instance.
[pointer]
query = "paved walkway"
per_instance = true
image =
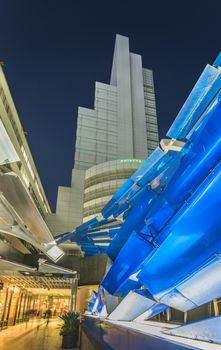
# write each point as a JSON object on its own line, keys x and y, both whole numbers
{"x": 35, "y": 335}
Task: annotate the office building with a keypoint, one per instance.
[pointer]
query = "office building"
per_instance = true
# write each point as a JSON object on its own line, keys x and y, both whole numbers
{"x": 112, "y": 139}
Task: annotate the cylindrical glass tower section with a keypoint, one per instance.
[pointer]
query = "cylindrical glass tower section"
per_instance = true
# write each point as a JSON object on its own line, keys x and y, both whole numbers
{"x": 102, "y": 181}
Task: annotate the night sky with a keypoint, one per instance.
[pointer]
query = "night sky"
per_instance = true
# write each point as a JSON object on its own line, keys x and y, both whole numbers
{"x": 56, "y": 50}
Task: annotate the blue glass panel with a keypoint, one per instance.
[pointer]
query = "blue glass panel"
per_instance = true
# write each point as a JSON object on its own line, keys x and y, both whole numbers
{"x": 129, "y": 188}
{"x": 100, "y": 297}
{"x": 199, "y": 288}
{"x": 147, "y": 165}
{"x": 204, "y": 90}
{"x": 217, "y": 62}
{"x": 92, "y": 300}
{"x": 156, "y": 309}
{"x": 141, "y": 202}
{"x": 200, "y": 154}
{"x": 134, "y": 221}
{"x": 191, "y": 238}
{"x": 112, "y": 204}
{"x": 117, "y": 281}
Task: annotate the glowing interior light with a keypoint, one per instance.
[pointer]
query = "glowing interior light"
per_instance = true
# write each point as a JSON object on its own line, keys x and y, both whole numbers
{"x": 55, "y": 253}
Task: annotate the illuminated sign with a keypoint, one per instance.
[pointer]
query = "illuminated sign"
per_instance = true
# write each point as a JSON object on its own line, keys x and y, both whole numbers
{"x": 131, "y": 161}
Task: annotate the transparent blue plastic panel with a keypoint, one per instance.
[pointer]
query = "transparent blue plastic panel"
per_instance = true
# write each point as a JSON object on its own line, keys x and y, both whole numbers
{"x": 133, "y": 222}
{"x": 217, "y": 62}
{"x": 91, "y": 224}
{"x": 200, "y": 288}
{"x": 83, "y": 229}
{"x": 191, "y": 238}
{"x": 203, "y": 92}
{"x": 126, "y": 287}
{"x": 104, "y": 233}
{"x": 129, "y": 188}
{"x": 159, "y": 170}
{"x": 156, "y": 309}
{"x": 119, "y": 279}
{"x": 198, "y": 157}
{"x": 92, "y": 300}
{"x": 142, "y": 201}
{"x": 135, "y": 194}
{"x": 99, "y": 302}
{"x": 204, "y": 118}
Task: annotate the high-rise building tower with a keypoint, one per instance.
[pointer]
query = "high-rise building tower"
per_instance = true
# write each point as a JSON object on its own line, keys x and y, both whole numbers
{"x": 112, "y": 139}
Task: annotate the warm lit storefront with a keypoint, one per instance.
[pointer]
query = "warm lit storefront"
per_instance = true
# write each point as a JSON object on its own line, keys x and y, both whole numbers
{"x": 19, "y": 304}
{"x": 56, "y": 300}
{"x": 26, "y": 297}
{"x": 15, "y": 304}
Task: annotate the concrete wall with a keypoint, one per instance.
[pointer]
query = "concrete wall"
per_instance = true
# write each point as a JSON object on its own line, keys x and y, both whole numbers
{"x": 69, "y": 211}
{"x": 90, "y": 268}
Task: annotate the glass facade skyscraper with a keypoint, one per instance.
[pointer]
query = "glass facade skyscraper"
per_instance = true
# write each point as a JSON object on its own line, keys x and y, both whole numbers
{"x": 112, "y": 139}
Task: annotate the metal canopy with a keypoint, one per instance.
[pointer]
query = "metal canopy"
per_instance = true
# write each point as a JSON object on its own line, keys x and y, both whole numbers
{"x": 47, "y": 276}
{"x": 8, "y": 153}
{"x": 12, "y": 225}
{"x": 38, "y": 282}
{"x": 20, "y": 199}
{"x": 9, "y": 267}
{"x": 51, "y": 268}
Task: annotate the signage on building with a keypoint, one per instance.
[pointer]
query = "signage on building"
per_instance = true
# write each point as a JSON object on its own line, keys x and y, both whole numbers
{"x": 131, "y": 161}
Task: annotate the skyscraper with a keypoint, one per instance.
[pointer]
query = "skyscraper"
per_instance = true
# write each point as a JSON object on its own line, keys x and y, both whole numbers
{"x": 112, "y": 139}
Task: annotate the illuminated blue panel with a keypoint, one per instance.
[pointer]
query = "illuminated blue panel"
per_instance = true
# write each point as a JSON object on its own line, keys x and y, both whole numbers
{"x": 217, "y": 62}
{"x": 134, "y": 221}
{"x": 141, "y": 202}
{"x": 134, "y": 195}
{"x": 120, "y": 279}
{"x": 201, "y": 287}
{"x": 82, "y": 229}
{"x": 99, "y": 302}
{"x": 130, "y": 187}
{"x": 204, "y": 90}
{"x": 200, "y": 154}
{"x": 190, "y": 239}
{"x": 92, "y": 300}
{"x": 154, "y": 310}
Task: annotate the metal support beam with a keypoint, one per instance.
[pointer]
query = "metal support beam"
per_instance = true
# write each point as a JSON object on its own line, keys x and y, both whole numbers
{"x": 74, "y": 288}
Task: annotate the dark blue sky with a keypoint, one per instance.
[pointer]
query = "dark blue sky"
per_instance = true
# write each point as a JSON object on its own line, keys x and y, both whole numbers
{"x": 56, "y": 50}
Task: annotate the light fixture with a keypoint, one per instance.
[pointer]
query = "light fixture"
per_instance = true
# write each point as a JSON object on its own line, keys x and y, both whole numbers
{"x": 55, "y": 253}
{"x": 14, "y": 289}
